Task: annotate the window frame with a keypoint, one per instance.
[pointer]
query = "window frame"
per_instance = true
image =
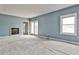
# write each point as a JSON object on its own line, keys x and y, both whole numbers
{"x": 75, "y": 25}
{"x": 32, "y": 22}
{"x": 34, "y": 28}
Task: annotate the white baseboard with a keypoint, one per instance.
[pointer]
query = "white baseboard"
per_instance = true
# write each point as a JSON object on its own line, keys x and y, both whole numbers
{"x": 61, "y": 40}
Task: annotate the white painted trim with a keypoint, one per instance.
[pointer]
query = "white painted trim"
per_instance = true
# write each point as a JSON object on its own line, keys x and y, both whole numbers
{"x": 61, "y": 40}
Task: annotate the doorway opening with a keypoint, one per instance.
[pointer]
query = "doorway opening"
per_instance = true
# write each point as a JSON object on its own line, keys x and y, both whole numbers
{"x": 25, "y": 28}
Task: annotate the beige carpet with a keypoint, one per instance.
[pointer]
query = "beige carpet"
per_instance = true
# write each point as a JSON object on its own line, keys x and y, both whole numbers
{"x": 31, "y": 45}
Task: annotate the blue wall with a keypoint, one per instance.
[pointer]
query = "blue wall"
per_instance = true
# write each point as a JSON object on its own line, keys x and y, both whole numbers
{"x": 7, "y": 22}
{"x": 49, "y": 23}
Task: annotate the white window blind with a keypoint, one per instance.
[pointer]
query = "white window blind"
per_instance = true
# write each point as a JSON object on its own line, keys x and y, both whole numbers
{"x": 68, "y": 24}
{"x": 34, "y": 27}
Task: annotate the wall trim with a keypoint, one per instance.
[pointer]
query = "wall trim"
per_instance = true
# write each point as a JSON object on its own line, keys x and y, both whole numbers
{"x": 61, "y": 40}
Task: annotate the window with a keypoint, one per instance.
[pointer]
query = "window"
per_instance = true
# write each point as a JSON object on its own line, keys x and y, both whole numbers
{"x": 34, "y": 27}
{"x": 23, "y": 27}
{"x": 68, "y": 24}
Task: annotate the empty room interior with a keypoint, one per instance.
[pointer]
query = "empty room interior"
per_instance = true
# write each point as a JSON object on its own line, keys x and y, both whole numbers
{"x": 39, "y": 29}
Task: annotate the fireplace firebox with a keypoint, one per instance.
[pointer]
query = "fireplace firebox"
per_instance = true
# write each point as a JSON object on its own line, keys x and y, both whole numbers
{"x": 14, "y": 31}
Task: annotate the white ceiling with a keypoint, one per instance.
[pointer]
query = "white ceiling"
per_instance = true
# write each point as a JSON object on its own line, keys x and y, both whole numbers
{"x": 30, "y": 10}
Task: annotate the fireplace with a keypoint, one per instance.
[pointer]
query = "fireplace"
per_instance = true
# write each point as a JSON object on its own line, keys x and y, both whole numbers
{"x": 14, "y": 31}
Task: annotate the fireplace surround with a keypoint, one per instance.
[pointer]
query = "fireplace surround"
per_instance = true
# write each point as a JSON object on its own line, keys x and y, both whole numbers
{"x": 14, "y": 31}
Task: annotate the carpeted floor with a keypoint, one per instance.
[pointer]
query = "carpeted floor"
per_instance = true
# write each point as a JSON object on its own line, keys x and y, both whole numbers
{"x": 32, "y": 45}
